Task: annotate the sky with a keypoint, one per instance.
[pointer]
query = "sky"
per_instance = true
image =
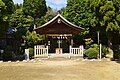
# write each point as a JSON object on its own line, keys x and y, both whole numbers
{"x": 55, "y": 4}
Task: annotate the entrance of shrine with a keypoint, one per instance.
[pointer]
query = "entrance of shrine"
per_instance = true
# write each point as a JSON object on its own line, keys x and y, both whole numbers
{"x": 59, "y": 43}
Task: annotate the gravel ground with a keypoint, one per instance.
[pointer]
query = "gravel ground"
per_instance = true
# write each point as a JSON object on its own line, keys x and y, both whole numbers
{"x": 60, "y": 70}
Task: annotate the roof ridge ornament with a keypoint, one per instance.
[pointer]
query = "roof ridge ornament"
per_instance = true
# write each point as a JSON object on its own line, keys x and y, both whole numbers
{"x": 59, "y": 20}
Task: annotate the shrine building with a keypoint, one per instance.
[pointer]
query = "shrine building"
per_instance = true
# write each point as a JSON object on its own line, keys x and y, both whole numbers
{"x": 58, "y": 34}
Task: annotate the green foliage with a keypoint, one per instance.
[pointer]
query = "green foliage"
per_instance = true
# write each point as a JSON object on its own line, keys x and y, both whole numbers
{"x": 91, "y": 53}
{"x": 21, "y": 22}
{"x": 95, "y": 46}
{"x": 48, "y": 16}
{"x": 34, "y": 8}
{"x": 76, "y": 12}
{"x": 96, "y": 15}
{"x": 106, "y": 16}
{"x": 116, "y": 50}
{"x": 2, "y": 9}
{"x": 104, "y": 51}
{"x": 9, "y": 6}
{"x": 6, "y": 9}
{"x": 31, "y": 38}
{"x": 18, "y": 6}
{"x": 88, "y": 42}
{"x": 18, "y": 20}
{"x": 31, "y": 52}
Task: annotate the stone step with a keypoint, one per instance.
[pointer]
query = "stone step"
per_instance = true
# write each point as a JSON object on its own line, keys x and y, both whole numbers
{"x": 59, "y": 55}
{"x": 63, "y": 56}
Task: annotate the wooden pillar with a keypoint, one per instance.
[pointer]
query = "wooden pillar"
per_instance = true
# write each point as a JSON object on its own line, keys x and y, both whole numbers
{"x": 71, "y": 41}
{"x": 45, "y": 40}
{"x": 100, "y": 51}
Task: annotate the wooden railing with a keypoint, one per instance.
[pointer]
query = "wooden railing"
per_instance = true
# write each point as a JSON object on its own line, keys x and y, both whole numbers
{"x": 43, "y": 51}
{"x": 40, "y": 51}
{"x": 76, "y": 51}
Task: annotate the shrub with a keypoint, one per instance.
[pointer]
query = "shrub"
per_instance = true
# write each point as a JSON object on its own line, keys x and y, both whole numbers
{"x": 91, "y": 53}
{"x": 88, "y": 43}
{"x": 8, "y": 52}
{"x": 116, "y": 50}
{"x": 104, "y": 51}
{"x": 31, "y": 52}
{"x": 95, "y": 46}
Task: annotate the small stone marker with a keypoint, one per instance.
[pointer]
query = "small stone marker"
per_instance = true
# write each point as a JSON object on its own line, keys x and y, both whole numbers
{"x": 17, "y": 61}
{"x": 83, "y": 60}
{"x": 9, "y": 61}
{"x": 91, "y": 60}
{"x": 27, "y": 54}
{"x": 41, "y": 60}
{"x": 34, "y": 61}
{"x": 100, "y": 60}
{"x": 1, "y": 61}
{"x": 78, "y": 59}
{"x": 24, "y": 60}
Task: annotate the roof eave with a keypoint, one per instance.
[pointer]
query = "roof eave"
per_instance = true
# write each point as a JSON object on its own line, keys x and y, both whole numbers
{"x": 56, "y": 18}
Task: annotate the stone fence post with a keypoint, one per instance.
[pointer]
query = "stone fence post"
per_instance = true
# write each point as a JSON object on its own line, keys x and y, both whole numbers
{"x": 26, "y": 54}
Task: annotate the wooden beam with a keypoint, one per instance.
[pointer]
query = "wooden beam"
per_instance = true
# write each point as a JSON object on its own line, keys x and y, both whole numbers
{"x": 65, "y": 35}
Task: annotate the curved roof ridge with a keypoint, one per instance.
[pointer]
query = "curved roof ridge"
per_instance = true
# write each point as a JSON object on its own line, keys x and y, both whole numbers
{"x": 58, "y": 15}
{"x": 48, "y": 22}
{"x": 70, "y": 22}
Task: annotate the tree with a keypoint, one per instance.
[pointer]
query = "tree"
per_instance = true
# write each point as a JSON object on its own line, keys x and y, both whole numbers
{"x": 34, "y": 8}
{"x": 97, "y": 15}
{"x": 2, "y": 10}
{"x": 31, "y": 38}
{"x": 9, "y": 6}
{"x": 105, "y": 14}
{"x": 77, "y": 12}
{"x": 21, "y": 22}
{"x": 48, "y": 16}
{"x": 105, "y": 17}
{"x": 18, "y": 6}
{"x": 23, "y": 19}
{"x": 6, "y": 9}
